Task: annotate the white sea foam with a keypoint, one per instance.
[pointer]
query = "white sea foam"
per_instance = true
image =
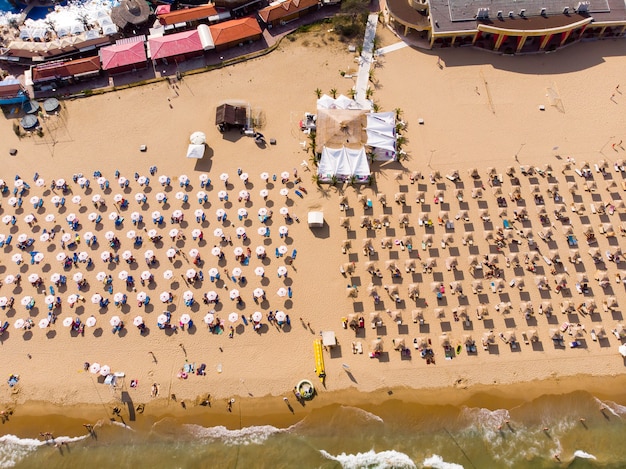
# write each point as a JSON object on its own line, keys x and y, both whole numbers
{"x": 255, "y": 435}
{"x": 579, "y": 453}
{"x": 437, "y": 462}
{"x": 612, "y": 407}
{"x": 64, "y": 16}
{"x": 14, "y": 449}
{"x": 372, "y": 460}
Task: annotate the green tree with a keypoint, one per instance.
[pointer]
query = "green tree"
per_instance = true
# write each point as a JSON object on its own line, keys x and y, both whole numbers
{"x": 333, "y": 93}
{"x": 318, "y": 93}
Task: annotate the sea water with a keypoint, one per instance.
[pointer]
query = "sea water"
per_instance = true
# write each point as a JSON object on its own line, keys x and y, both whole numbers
{"x": 391, "y": 434}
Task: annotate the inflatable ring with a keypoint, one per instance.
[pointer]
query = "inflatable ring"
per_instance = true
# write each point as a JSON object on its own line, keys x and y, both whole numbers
{"x": 306, "y": 389}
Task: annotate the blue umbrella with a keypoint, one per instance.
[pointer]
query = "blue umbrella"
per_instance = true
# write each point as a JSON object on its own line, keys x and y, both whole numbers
{"x": 29, "y": 121}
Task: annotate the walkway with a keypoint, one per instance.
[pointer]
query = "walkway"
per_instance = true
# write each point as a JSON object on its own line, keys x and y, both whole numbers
{"x": 391, "y": 48}
{"x": 365, "y": 62}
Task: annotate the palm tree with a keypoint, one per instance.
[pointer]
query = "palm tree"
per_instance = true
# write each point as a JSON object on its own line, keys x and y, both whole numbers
{"x": 371, "y": 75}
{"x": 352, "y": 93}
{"x": 375, "y": 107}
{"x": 398, "y": 112}
{"x": 368, "y": 93}
{"x": 333, "y": 93}
{"x": 318, "y": 93}
{"x": 316, "y": 179}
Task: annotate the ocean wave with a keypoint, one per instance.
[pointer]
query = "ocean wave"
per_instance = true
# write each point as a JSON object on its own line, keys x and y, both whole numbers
{"x": 437, "y": 462}
{"x": 14, "y": 449}
{"x": 255, "y": 435}
{"x": 579, "y": 453}
{"x": 363, "y": 413}
{"x": 372, "y": 460}
{"x": 616, "y": 409}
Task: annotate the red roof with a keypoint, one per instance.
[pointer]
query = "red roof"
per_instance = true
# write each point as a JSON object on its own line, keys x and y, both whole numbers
{"x": 187, "y": 14}
{"x": 120, "y": 55}
{"x": 174, "y": 44}
{"x": 234, "y": 30}
{"x": 67, "y": 69}
{"x": 286, "y": 8}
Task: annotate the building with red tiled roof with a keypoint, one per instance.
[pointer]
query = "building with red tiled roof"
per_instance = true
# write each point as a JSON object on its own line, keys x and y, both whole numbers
{"x": 188, "y": 15}
{"x": 66, "y": 71}
{"x": 286, "y": 11}
{"x": 234, "y": 32}
{"x": 124, "y": 56}
{"x": 180, "y": 46}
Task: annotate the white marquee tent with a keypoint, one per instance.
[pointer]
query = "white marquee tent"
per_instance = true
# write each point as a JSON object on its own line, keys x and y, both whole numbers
{"x": 344, "y": 164}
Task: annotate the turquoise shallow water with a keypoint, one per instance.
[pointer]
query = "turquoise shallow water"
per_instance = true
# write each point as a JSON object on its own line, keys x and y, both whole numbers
{"x": 392, "y": 434}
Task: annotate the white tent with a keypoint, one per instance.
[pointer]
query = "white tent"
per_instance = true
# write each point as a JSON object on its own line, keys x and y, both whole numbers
{"x": 195, "y": 151}
{"x": 341, "y": 102}
{"x": 381, "y": 134}
{"x": 343, "y": 163}
{"x": 316, "y": 219}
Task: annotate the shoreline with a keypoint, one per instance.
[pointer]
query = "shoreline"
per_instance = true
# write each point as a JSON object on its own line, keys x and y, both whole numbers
{"x": 26, "y": 420}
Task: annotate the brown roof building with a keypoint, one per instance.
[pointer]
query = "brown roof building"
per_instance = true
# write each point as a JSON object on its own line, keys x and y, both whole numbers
{"x": 188, "y": 15}
{"x": 234, "y": 32}
{"x": 66, "y": 70}
{"x": 287, "y": 11}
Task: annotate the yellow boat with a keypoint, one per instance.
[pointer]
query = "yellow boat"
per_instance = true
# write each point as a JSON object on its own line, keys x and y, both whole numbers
{"x": 320, "y": 369}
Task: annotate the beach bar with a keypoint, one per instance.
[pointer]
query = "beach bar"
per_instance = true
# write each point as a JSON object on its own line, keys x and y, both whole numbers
{"x": 508, "y": 27}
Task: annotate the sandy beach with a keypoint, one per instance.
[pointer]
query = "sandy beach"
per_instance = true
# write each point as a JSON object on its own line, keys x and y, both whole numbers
{"x": 479, "y": 111}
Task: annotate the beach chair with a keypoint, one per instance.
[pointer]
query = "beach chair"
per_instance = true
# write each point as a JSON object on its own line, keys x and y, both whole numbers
{"x": 299, "y": 194}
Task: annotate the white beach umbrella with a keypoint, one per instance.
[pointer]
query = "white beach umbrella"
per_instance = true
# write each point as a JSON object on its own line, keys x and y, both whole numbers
{"x": 233, "y": 317}
{"x": 17, "y": 258}
{"x": 152, "y": 233}
{"x": 163, "y": 179}
{"x": 234, "y": 294}
{"x": 216, "y": 251}
{"x": 76, "y": 199}
{"x": 213, "y": 272}
{"x": 96, "y": 198}
{"x": 162, "y": 319}
{"x": 3, "y": 301}
{"x": 168, "y": 274}
{"x": 32, "y": 278}
{"x": 203, "y": 177}
{"x": 72, "y": 299}
{"x": 211, "y": 295}
{"x": 93, "y": 216}
{"x": 242, "y": 212}
{"x": 83, "y": 256}
{"x": 29, "y": 218}
{"x": 265, "y": 176}
{"x": 65, "y": 238}
{"x": 196, "y": 233}
{"x": 264, "y": 193}
{"x": 222, "y": 194}
{"x": 177, "y": 213}
{"x": 218, "y": 233}
{"x": 280, "y": 316}
{"x": 164, "y": 297}
{"x": 185, "y": 318}
{"x": 126, "y": 255}
{"x": 77, "y": 277}
{"x": 240, "y": 231}
{"x": 238, "y": 251}
{"x": 262, "y": 212}
{"x": 173, "y": 233}
{"x": 282, "y": 292}
{"x": 188, "y": 295}
{"x": 44, "y": 237}
{"x": 49, "y": 299}
{"x": 193, "y": 253}
{"x": 180, "y": 195}
{"x": 170, "y": 253}
{"x": 260, "y": 271}
{"x": 260, "y": 250}
{"x": 282, "y": 270}
{"x": 94, "y": 368}
{"x": 224, "y": 177}
{"x": 96, "y": 298}
{"x": 115, "y": 321}
{"x": 283, "y": 230}
{"x": 117, "y": 198}
{"x": 105, "y": 370}
{"x": 91, "y": 321}
{"x": 100, "y": 276}
{"x": 19, "y": 323}
{"x": 67, "y": 322}
{"x": 209, "y": 318}
{"x": 38, "y": 257}
{"x": 191, "y": 273}
{"x": 257, "y": 316}
{"x": 282, "y": 249}
{"x": 23, "y": 237}
{"x": 118, "y": 297}
{"x": 141, "y": 296}
{"x": 88, "y": 235}
{"x": 9, "y": 279}
{"x": 236, "y": 272}
{"x": 146, "y": 275}
{"x": 43, "y": 323}
{"x": 135, "y": 216}
{"x": 55, "y": 277}
{"x": 258, "y": 292}
{"x": 113, "y": 216}
{"x": 123, "y": 275}
{"x": 50, "y": 217}
{"x": 283, "y": 211}
{"x": 109, "y": 235}
{"x": 149, "y": 254}
{"x": 131, "y": 234}
{"x": 138, "y": 321}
